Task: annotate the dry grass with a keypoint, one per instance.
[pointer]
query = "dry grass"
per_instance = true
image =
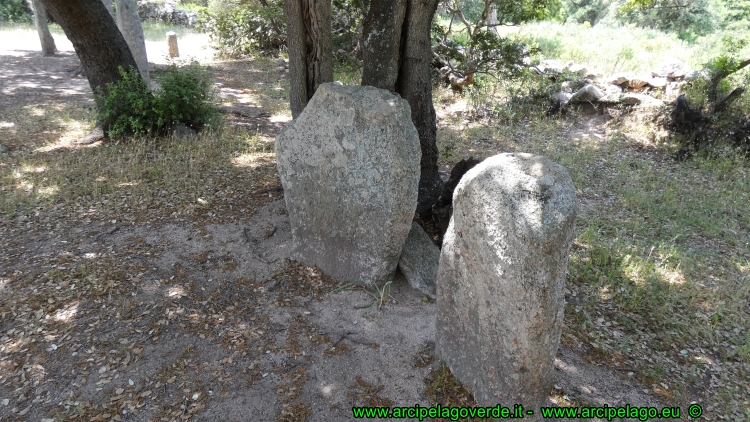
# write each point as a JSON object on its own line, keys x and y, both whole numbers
{"x": 141, "y": 179}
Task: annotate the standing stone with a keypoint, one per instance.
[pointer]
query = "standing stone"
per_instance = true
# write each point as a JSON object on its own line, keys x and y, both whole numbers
{"x": 502, "y": 276}
{"x": 174, "y": 51}
{"x": 40, "y": 21}
{"x": 129, "y": 24}
{"x": 419, "y": 260}
{"x": 349, "y": 165}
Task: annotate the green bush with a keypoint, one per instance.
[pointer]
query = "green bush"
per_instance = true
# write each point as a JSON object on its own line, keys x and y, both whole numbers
{"x": 247, "y": 27}
{"x": 14, "y": 11}
{"x": 186, "y": 96}
{"x": 129, "y": 108}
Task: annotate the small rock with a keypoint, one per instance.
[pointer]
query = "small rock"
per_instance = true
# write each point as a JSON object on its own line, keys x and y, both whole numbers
{"x": 577, "y": 68}
{"x": 635, "y": 99}
{"x": 419, "y": 260}
{"x": 697, "y": 74}
{"x": 181, "y": 131}
{"x": 638, "y": 82}
{"x": 594, "y": 76}
{"x": 562, "y": 97}
{"x": 620, "y": 78}
{"x": 3, "y": 149}
{"x": 658, "y": 82}
{"x": 612, "y": 89}
{"x": 672, "y": 69}
{"x": 588, "y": 93}
{"x": 280, "y": 62}
{"x": 280, "y": 69}
{"x": 550, "y": 66}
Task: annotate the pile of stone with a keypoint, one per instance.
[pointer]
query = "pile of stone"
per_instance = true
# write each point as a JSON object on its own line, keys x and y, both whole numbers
{"x": 166, "y": 11}
{"x": 282, "y": 67}
{"x": 622, "y": 88}
{"x": 349, "y": 165}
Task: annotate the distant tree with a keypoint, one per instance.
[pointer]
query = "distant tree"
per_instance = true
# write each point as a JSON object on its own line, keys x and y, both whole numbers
{"x": 685, "y": 17}
{"x": 40, "y": 21}
{"x": 97, "y": 41}
{"x": 737, "y": 13}
{"x": 591, "y": 11}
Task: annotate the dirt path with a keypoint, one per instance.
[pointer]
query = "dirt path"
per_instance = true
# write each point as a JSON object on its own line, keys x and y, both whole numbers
{"x": 192, "y": 320}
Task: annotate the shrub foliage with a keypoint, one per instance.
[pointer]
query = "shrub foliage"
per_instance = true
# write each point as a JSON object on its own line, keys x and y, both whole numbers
{"x": 129, "y": 107}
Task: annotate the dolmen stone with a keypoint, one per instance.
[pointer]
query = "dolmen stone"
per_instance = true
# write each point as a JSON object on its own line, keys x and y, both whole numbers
{"x": 500, "y": 285}
{"x": 349, "y": 166}
{"x": 419, "y": 260}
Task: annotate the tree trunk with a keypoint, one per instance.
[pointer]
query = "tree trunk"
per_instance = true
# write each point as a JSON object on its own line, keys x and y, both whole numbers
{"x": 40, "y": 21}
{"x": 319, "y": 44}
{"x": 398, "y": 59}
{"x": 415, "y": 86}
{"x": 382, "y": 43}
{"x": 97, "y": 41}
{"x": 129, "y": 24}
{"x": 492, "y": 22}
{"x": 309, "y": 42}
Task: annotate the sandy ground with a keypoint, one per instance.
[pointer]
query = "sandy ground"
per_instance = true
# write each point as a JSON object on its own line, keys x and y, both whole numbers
{"x": 205, "y": 321}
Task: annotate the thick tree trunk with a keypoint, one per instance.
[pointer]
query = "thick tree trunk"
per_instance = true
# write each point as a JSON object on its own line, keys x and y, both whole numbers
{"x": 129, "y": 24}
{"x": 310, "y": 49}
{"x": 398, "y": 59}
{"x": 297, "y": 48}
{"x": 381, "y": 44}
{"x": 97, "y": 41}
{"x": 40, "y": 21}
{"x": 415, "y": 86}
{"x": 319, "y": 44}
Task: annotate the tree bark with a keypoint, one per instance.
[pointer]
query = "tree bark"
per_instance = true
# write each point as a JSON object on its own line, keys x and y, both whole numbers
{"x": 381, "y": 44}
{"x": 97, "y": 41}
{"x": 40, "y": 21}
{"x": 297, "y": 48}
{"x": 319, "y": 44}
{"x": 399, "y": 59}
{"x": 130, "y": 26}
{"x": 415, "y": 86}
{"x": 309, "y": 42}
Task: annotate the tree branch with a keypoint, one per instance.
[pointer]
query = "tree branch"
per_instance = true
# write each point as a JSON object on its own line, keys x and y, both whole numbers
{"x": 457, "y": 12}
{"x": 729, "y": 99}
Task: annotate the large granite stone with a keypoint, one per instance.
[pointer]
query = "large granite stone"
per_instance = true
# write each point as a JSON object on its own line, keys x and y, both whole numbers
{"x": 502, "y": 276}
{"x": 349, "y": 165}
